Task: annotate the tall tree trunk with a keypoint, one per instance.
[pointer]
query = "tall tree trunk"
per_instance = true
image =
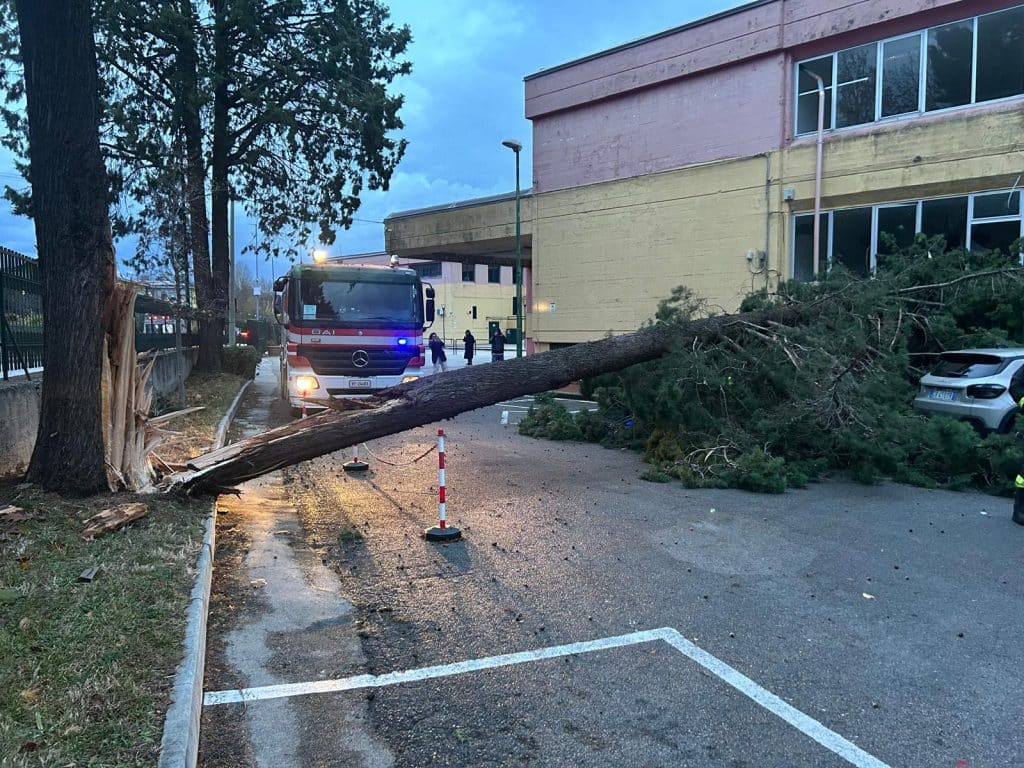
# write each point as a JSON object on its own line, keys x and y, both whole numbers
{"x": 189, "y": 103}
{"x": 76, "y": 254}
{"x": 442, "y": 397}
{"x": 220, "y": 190}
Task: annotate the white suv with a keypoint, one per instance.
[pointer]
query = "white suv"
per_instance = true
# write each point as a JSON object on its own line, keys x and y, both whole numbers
{"x": 982, "y": 386}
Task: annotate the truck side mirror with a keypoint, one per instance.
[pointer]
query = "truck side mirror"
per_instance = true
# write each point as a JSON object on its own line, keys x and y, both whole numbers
{"x": 430, "y": 303}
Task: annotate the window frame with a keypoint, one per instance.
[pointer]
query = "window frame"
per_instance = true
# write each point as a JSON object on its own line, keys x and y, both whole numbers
{"x": 970, "y": 221}
{"x": 472, "y": 267}
{"x": 922, "y": 34}
{"x": 489, "y": 280}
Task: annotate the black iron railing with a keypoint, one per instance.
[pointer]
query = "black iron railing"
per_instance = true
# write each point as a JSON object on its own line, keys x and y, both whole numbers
{"x": 21, "y": 313}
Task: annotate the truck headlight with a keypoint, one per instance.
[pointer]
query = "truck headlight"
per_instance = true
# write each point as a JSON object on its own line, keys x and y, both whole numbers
{"x": 306, "y": 384}
{"x": 407, "y": 379}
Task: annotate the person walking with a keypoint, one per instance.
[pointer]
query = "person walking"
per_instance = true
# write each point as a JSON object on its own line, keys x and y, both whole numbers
{"x": 469, "y": 341}
{"x": 437, "y": 355}
{"x": 497, "y": 346}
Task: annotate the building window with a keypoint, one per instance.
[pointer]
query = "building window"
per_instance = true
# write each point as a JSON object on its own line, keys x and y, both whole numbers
{"x": 901, "y": 76}
{"x": 854, "y": 236}
{"x": 950, "y": 65}
{"x": 851, "y": 240}
{"x": 474, "y": 311}
{"x": 855, "y": 85}
{"x": 432, "y": 269}
{"x": 493, "y": 274}
{"x": 896, "y": 227}
{"x": 971, "y": 61}
{"x": 469, "y": 273}
{"x": 807, "y": 97}
{"x": 1000, "y": 54}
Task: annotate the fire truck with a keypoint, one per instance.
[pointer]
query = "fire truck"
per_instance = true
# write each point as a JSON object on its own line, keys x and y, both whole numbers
{"x": 350, "y": 331}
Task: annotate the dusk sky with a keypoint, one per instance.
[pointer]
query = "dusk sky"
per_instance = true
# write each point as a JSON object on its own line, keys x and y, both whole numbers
{"x": 465, "y": 95}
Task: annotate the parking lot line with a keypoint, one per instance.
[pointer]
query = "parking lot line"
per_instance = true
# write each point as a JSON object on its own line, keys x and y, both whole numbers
{"x": 426, "y": 673}
{"x": 807, "y": 725}
{"x": 804, "y": 723}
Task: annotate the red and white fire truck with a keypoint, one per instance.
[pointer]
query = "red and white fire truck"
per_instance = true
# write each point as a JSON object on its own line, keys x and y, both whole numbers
{"x": 350, "y": 331}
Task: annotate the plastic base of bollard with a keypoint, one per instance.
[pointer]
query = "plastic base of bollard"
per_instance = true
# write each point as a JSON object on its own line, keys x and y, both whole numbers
{"x": 355, "y": 466}
{"x": 442, "y": 534}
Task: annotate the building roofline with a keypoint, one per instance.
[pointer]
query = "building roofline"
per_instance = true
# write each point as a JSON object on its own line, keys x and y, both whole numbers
{"x": 649, "y": 38}
{"x": 470, "y": 203}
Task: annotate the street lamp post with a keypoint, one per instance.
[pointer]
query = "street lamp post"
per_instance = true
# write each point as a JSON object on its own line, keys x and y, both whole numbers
{"x": 516, "y": 147}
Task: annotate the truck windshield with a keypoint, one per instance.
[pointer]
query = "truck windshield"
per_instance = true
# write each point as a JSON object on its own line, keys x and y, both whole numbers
{"x": 350, "y": 301}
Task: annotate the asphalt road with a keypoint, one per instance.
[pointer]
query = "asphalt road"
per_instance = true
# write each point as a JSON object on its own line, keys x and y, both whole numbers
{"x": 892, "y": 616}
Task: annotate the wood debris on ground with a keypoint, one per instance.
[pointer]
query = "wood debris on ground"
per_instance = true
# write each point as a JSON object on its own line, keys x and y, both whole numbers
{"x": 13, "y": 514}
{"x": 113, "y": 518}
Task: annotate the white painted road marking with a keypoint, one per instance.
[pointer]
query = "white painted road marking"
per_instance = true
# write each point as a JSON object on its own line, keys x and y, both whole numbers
{"x": 426, "y": 673}
{"x": 807, "y": 725}
{"x": 803, "y": 723}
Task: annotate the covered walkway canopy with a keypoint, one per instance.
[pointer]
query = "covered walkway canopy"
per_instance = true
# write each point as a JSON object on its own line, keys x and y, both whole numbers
{"x": 478, "y": 231}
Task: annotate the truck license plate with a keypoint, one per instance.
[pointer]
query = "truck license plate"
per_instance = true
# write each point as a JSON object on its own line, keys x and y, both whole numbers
{"x": 943, "y": 394}
{"x": 358, "y": 383}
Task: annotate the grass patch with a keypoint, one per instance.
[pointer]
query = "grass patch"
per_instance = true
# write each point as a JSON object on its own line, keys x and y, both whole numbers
{"x": 194, "y": 432}
{"x": 87, "y": 667}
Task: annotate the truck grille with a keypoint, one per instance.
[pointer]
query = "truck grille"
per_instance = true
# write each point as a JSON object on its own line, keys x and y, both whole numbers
{"x": 337, "y": 361}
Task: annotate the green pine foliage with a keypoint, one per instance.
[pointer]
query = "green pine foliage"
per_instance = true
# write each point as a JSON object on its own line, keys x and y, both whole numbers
{"x": 771, "y": 407}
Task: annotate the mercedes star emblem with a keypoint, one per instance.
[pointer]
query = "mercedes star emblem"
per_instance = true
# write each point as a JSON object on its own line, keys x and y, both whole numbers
{"x": 360, "y": 358}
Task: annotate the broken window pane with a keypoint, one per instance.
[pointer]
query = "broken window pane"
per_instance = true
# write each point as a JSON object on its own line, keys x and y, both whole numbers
{"x": 851, "y": 240}
{"x": 1000, "y": 54}
{"x": 807, "y": 101}
{"x": 947, "y": 217}
{"x": 901, "y": 75}
{"x": 950, "y": 61}
{"x": 803, "y": 247}
{"x": 896, "y": 227}
{"x": 994, "y": 235}
{"x": 855, "y": 86}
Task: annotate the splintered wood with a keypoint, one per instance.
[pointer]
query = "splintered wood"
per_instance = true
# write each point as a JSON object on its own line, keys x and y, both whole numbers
{"x": 130, "y": 433}
{"x": 12, "y": 514}
{"x": 112, "y": 518}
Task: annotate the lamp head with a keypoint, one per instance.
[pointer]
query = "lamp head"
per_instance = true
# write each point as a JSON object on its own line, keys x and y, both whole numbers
{"x": 319, "y": 256}
{"x": 512, "y": 144}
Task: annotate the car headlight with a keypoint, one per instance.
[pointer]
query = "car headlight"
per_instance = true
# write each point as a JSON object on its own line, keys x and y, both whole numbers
{"x": 306, "y": 384}
{"x": 407, "y": 379}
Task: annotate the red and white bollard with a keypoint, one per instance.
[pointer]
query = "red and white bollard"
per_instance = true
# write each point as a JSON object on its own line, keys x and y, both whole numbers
{"x": 442, "y": 531}
{"x": 355, "y": 465}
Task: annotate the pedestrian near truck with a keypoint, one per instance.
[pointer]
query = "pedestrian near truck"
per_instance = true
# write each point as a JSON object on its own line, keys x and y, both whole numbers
{"x": 497, "y": 346}
{"x": 437, "y": 355}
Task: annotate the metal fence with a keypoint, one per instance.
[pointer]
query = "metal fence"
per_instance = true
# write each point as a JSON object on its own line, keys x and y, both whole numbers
{"x": 21, "y": 313}
{"x": 21, "y": 318}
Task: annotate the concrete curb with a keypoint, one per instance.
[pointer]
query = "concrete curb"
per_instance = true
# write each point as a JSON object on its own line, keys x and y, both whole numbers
{"x": 179, "y": 747}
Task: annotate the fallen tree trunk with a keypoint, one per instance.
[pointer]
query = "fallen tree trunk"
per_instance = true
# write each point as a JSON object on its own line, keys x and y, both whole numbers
{"x": 442, "y": 397}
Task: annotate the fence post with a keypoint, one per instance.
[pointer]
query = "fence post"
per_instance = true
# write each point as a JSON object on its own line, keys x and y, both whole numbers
{"x": 3, "y": 326}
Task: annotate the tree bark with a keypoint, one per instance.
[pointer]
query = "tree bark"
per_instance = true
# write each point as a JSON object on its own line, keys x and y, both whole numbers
{"x": 188, "y": 102}
{"x": 220, "y": 190}
{"x": 76, "y": 254}
{"x": 447, "y": 395}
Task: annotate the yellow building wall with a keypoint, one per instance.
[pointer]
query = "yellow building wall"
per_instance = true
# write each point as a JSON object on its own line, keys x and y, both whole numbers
{"x": 492, "y": 301}
{"x": 604, "y": 255}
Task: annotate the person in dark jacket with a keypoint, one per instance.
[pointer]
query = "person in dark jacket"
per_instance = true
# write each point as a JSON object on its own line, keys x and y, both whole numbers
{"x": 437, "y": 355}
{"x": 469, "y": 340}
{"x": 497, "y": 346}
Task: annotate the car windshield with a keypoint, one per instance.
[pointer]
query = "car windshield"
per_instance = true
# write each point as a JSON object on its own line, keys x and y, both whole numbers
{"x": 966, "y": 365}
{"x": 359, "y": 301}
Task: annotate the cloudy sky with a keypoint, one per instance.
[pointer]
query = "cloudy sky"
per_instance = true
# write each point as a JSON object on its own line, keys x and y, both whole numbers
{"x": 464, "y": 96}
